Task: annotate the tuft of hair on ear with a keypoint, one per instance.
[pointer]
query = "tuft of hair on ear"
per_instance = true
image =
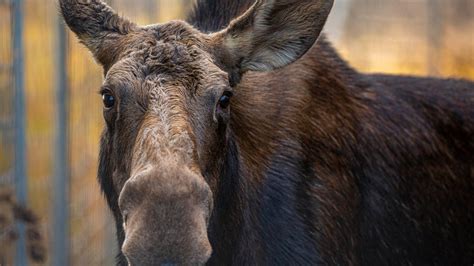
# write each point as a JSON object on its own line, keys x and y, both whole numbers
{"x": 272, "y": 33}
{"x": 97, "y": 26}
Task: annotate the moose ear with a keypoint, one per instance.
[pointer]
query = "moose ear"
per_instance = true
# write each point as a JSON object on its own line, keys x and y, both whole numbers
{"x": 272, "y": 34}
{"x": 98, "y": 27}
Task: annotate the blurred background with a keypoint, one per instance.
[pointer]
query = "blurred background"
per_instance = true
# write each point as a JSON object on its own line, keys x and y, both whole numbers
{"x": 51, "y": 113}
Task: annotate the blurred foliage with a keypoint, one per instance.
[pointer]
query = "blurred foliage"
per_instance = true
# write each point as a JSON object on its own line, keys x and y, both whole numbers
{"x": 373, "y": 35}
{"x": 421, "y": 37}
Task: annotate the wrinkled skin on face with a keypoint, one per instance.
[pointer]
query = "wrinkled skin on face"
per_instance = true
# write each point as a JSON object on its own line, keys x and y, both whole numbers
{"x": 166, "y": 94}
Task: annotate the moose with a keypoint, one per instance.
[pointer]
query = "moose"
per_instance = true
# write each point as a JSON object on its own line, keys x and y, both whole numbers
{"x": 240, "y": 137}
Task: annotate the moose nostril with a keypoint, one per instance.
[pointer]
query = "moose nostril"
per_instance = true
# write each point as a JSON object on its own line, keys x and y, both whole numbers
{"x": 125, "y": 216}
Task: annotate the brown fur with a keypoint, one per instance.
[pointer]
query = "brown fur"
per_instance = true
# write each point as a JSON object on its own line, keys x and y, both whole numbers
{"x": 312, "y": 162}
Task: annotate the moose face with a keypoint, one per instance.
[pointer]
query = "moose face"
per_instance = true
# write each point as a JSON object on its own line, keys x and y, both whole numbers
{"x": 167, "y": 106}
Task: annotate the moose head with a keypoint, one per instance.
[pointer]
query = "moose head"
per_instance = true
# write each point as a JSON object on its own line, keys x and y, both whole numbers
{"x": 167, "y": 106}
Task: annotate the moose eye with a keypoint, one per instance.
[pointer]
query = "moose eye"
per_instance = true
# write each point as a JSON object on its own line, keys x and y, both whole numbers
{"x": 108, "y": 100}
{"x": 224, "y": 101}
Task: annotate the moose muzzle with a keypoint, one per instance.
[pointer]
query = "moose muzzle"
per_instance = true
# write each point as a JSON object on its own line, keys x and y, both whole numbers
{"x": 166, "y": 212}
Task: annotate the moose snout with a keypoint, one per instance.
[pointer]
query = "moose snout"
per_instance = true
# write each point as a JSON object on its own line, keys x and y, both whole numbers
{"x": 165, "y": 218}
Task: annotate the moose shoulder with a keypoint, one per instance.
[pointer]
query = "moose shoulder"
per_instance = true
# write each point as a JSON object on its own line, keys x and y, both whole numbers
{"x": 241, "y": 137}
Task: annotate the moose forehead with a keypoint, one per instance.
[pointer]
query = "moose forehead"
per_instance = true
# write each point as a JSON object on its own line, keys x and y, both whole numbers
{"x": 168, "y": 54}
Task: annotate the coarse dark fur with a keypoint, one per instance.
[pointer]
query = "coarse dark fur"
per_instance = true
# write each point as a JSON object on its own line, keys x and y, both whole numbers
{"x": 317, "y": 163}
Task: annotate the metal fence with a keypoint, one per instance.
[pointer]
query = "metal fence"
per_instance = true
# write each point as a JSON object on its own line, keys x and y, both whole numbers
{"x": 12, "y": 123}
{"x": 50, "y": 113}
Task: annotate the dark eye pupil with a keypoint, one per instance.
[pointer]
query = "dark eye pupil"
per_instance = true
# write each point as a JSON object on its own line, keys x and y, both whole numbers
{"x": 224, "y": 101}
{"x": 108, "y": 100}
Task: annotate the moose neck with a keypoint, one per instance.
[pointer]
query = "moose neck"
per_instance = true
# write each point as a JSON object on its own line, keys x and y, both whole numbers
{"x": 264, "y": 184}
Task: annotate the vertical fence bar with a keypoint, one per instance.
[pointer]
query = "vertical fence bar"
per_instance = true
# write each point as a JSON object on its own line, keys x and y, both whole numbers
{"x": 60, "y": 237}
{"x": 21, "y": 185}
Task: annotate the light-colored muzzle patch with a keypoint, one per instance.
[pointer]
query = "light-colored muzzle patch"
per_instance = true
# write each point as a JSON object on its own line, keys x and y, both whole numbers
{"x": 166, "y": 212}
